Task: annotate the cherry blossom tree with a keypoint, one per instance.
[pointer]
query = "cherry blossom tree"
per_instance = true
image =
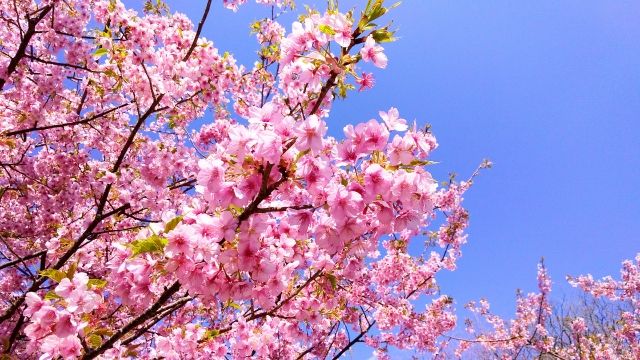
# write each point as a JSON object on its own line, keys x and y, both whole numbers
{"x": 160, "y": 200}
{"x": 606, "y": 325}
{"x": 128, "y": 231}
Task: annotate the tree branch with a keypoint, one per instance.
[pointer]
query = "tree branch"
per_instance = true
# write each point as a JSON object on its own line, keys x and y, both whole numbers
{"x": 19, "y": 260}
{"x": 198, "y": 31}
{"x": 162, "y": 313}
{"x": 73, "y": 123}
{"x": 149, "y": 313}
{"x": 280, "y": 209}
{"x": 354, "y": 341}
{"x": 20, "y": 53}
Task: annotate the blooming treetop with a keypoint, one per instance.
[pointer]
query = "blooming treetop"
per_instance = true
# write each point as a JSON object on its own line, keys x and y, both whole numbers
{"x": 125, "y": 233}
{"x": 532, "y": 333}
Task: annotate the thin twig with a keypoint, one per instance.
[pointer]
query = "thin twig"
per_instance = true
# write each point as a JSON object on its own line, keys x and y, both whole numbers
{"x": 198, "y": 31}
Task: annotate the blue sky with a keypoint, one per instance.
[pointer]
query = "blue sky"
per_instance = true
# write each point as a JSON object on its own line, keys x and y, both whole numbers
{"x": 548, "y": 90}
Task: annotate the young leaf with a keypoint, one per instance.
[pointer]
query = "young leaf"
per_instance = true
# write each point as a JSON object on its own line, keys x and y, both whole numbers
{"x": 332, "y": 280}
{"x": 383, "y": 35}
{"x": 326, "y": 29}
{"x": 395, "y": 5}
{"x": 100, "y": 52}
{"x": 53, "y": 274}
{"x": 102, "y": 332}
{"x": 172, "y": 224}
{"x": 211, "y": 333}
{"x": 234, "y": 305}
{"x": 51, "y": 295}
{"x": 94, "y": 341}
{"x": 72, "y": 270}
{"x": 153, "y": 243}
{"x": 97, "y": 283}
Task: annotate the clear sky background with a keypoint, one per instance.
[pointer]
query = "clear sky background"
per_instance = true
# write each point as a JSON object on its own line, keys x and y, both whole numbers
{"x": 548, "y": 90}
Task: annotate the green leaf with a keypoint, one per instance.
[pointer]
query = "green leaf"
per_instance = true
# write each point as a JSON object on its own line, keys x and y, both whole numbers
{"x": 94, "y": 341}
{"x": 100, "y": 52}
{"x": 72, "y": 270}
{"x": 53, "y": 274}
{"x": 395, "y": 5}
{"x": 369, "y": 26}
{"x": 111, "y": 73}
{"x": 211, "y": 333}
{"x": 383, "y": 35}
{"x": 374, "y": 10}
{"x": 234, "y": 305}
{"x": 97, "y": 283}
{"x": 377, "y": 12}
{"x": 172, "y": 224}
{"x": 51, "y": 295}
{"x": 368, "y": 7}
{"x": 301, "y": 154}
{"x": 153, "y": 243}
{"x": 333, "y": 280}
{"x": 102, "y": 332}
{"x": 422, "y": 163}
{"x": 326, "y": 29}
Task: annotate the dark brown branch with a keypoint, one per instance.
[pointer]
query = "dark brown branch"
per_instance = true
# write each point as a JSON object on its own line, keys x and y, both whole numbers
{"x": 66, "y": 256}
{"x": 181, "y": 183}
{"x": 153, "y": 93}
{"x": 20, "y": 53}
{"x": 88, "y": 232}
{"x": 73, "y": 123}
{"x": 331, "y": 82}
{"x": 24, "y": 258}
{"x": 444, "y": 254}
{"x": 323, "y": 92}
{"x": 265, "y": 192}
{"x": 309, "y": 349}
{"x": 51, "y": 62}
{"x": 354, "y": 341}
{"x": 281, "y": 304}
{"x": 277, "y": 307}
{"x": 82, "y": 101}
{"x": 283, "y": 208}
{"x": 162, "y": 313}
{"x": 141, "y": 319}
{"x": 535, "y": 331}
{"x": 85, "y": 37}
{"x": 481, "y": 341}
{"x": 14, "y": 334}
{"x": 134, "y": 132}
{"x": 179, "y": 102}
{"x": 198, "y": 31}
{"x": 119, "y": 230}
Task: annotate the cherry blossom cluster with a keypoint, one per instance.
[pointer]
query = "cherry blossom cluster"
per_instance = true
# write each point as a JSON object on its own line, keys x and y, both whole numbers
{"x": 129, "y": 230}
{"x": 57, "y": 321}
{"x": 532, "y": 333}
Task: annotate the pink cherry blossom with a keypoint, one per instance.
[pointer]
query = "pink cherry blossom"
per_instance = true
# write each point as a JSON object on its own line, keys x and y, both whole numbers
{"x": 343, "y": 203}
{"x": 65, "y": 347}
{"x": 310, "y": 134}
{"x": 374, "y": 53}
{"x": 377, "y": 181}
{"x": 401, "y": 150}
{"x": 366, "y": 81}
{"x": 393, "y": 121}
